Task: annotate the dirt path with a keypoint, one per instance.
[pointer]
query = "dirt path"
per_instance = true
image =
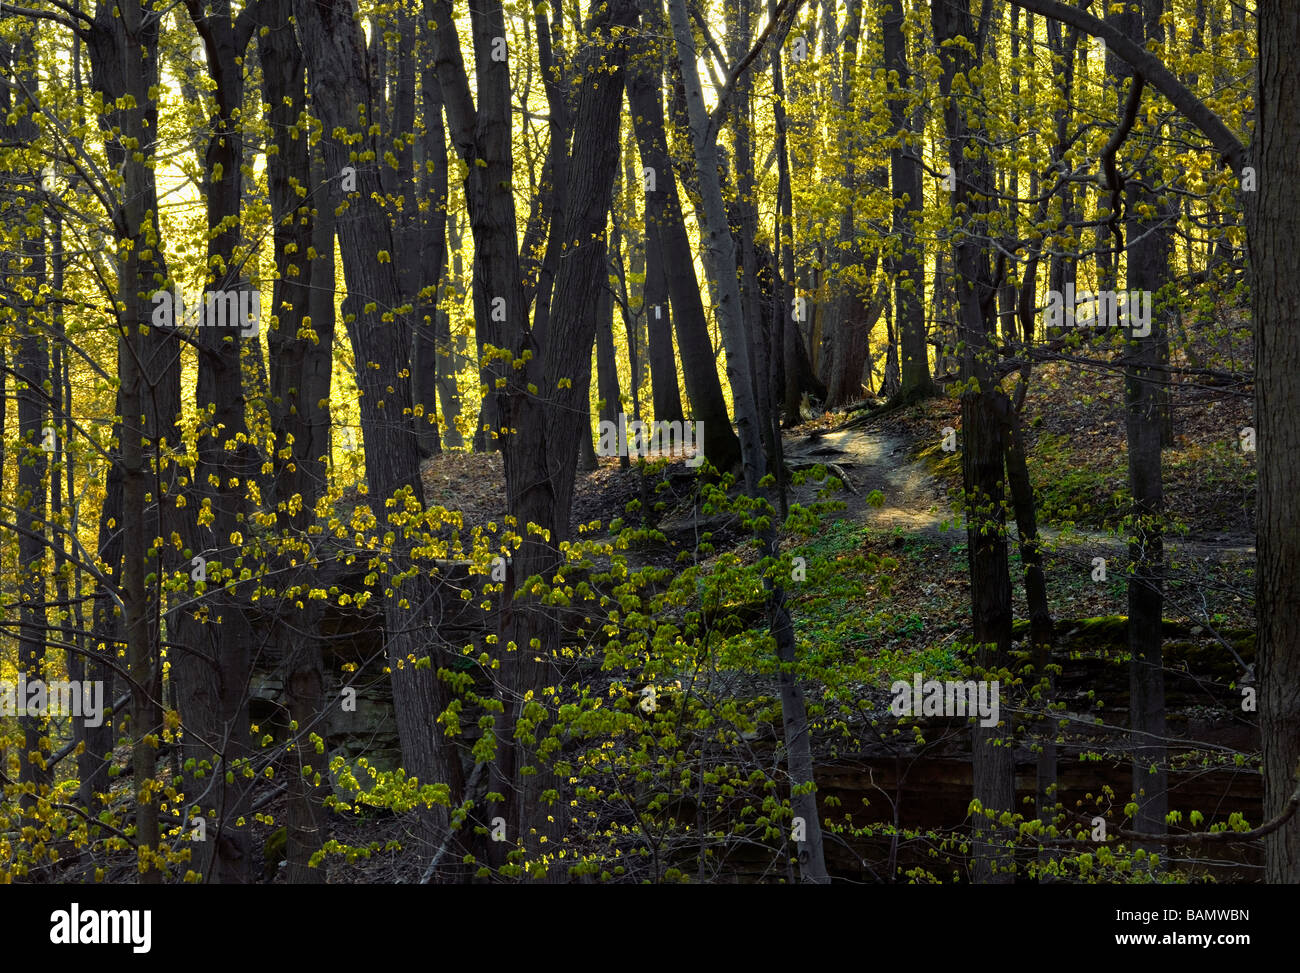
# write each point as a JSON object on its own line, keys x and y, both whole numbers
{"x": 876, "y": 459}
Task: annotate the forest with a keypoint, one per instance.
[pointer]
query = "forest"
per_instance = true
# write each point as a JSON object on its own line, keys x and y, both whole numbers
{"x": 649, "y": 441}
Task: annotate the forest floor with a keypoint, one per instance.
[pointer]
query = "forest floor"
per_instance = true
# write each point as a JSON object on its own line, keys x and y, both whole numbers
{"x": 1078, "y": 462}
{"x": 911, "y": 613}
{"x": 1076, "y": 458}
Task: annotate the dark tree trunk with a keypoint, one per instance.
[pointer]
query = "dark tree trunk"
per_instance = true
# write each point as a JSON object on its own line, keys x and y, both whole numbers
{"x": 891, "y": 382}
{"x": 1148, "y": 270}
{"x": 1274, "y": 221}
{"x": 586, "y": 449}
{"x": 64, "y": 508}
{"x": 552, "y": 202}
{"x": 1061, "y": 266}
{"x": 435, "y": 363}
{"x": 32, "y": 456}
{"x": 633, "y": 249}
{"x": 381, "y": 343}
{"x": 848, "y": 333}
{"x": 658, "y": 312}
{"x": 454, "y": 348}
{"x": 1041, "y": 633}
{"x": 541, "y": 449}
{"x": 123, "y": 49}
{"x": 983, "y": 447}
{"x": 591, "y": 170}
{"x": 607, "y": 384}
{"x": 798, "y": 377}
{"x": 300, "y": 380}
{"x": 107, "y": 631}
{"x": 416, "y": 275}
{"x": 666, "y": 233}
{"x": 212, "y": 673}
{"x": 906, "y": 260}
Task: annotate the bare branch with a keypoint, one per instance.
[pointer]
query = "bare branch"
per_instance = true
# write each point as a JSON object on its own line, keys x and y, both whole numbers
{"x": 1154, "y": 70}
{"x": 784, "y": 12}
{"x": 72, "y": 25}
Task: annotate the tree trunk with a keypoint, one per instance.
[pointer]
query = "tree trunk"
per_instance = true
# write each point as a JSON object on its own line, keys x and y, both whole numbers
{"x": 1041, "y": 633}
{"x": 381, "y": 343}
{"x": 1148, "y": 271}
{"x": 32, "y": 376}
{"x": 907, "y": 257}
{"x": 541, "y": 449}
{"x": 666, "y": 233}
{"x": 798, "y": 377}
{"x": 720, "y": 261}
{"x": 107, "y": 631}
{"x": 123, "y": 51}
{"x": 300, "y": 380}
{"x": 1274, "y": 219}
{"x": 212, "y": 673}
{"x": 607, "y": 384}
{"x": 658, "y": 313}
{"x": 452, "y": 348}
{"x": 983, "y": 449}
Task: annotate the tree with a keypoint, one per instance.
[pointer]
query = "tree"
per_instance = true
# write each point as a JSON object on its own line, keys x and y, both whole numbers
{"x": 540, "y": 454}
{"x": 300, "y": 338}
{"x": 381, "y": 341}
{"x": 983, "y": 447}
{"x": 1271, "y": 226}
{"x": 905, "y": 176}
{"x": 666, "y": 238}
{"x": 721, "y": 262}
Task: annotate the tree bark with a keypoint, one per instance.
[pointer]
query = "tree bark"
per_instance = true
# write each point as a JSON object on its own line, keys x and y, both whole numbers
{"x": 300, "y": 381}
{"x": 720, "y": 261}
{"x": 1274, "y": 220}
{"x": 983, "y": 448}
{"x": 1148, "y": 270}
{"x": 381, "y": 343}
{"x": 905, "y": 264}
{"x": 666, "y": 234}
{"x": 123, "y": 49}
{"x": 212, "y": 673}
{"x": 798, "y": 377}
{"x": 658, "y": 312}
{"x": 32, "y": 457}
